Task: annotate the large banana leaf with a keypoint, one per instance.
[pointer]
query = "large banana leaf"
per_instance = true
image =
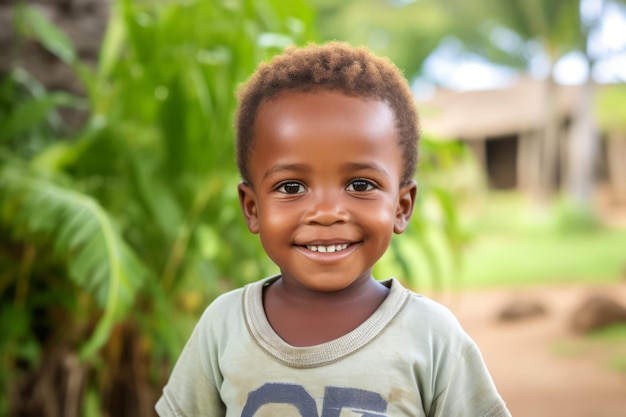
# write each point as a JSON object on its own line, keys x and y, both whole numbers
{"x": 99, "y": 260}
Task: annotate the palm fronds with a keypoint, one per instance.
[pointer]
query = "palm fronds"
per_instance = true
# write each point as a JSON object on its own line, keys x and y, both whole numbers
{"x": 99, "y": 260}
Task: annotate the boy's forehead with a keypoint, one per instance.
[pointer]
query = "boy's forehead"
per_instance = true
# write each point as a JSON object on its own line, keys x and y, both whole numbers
{"x": 331, "y": 111}
{"x": 325, "y": 132}
{"x": 328, "y": 121}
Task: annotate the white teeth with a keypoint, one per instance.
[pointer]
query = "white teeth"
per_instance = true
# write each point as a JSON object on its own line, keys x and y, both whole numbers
{"x": 329, "y": 249}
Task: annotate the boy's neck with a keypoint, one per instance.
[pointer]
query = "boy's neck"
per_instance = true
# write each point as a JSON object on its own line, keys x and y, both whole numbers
{"x": 304, "y": 317}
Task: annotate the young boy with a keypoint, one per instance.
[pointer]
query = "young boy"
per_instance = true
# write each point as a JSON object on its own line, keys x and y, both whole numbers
{"x": 327, "y": 148}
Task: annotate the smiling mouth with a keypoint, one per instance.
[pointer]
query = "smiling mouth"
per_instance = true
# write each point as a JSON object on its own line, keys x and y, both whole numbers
{"x": 327, "y": 249}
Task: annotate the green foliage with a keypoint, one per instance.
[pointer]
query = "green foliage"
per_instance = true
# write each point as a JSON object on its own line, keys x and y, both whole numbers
{"x": 513, "y": 246}
{"x": 101, "y": 261}
{"x": 135, "y": 218}
{"x": 139, "y": 209}
{"x": 408, "y": 31}
{"x": 406, "y": 34}
{"x": 25, "y": 112}
{"x": 429, "y": 252}
{"x": 509, "y": 32}
{"x": 573, "y": 218}
{"x": 556, "y": 24}
{"x": 610, "y": 110}
{"x": 604, "y": 347}
{"x": 32, "y": 23}
{"x": 611, "y": 333}
{"x": 29, "y": 120}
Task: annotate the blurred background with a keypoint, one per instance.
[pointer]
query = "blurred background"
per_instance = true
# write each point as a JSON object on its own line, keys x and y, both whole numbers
{"x": 119, "y": 219}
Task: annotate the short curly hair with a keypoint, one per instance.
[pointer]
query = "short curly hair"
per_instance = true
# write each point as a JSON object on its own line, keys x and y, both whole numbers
{"x": 336, "y": 66}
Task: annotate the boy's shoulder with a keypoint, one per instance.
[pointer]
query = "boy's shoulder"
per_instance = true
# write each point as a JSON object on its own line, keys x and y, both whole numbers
{"x": 421, "y": 302}
{"x": 430, "y": 308}
{"x": 425, "y": 314}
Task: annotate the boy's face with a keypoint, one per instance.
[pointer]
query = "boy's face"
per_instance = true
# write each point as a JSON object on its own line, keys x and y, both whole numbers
{"x": 324, "y": 192}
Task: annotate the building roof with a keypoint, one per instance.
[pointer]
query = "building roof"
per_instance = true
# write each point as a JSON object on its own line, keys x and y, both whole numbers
{"x": 475, "y": 115}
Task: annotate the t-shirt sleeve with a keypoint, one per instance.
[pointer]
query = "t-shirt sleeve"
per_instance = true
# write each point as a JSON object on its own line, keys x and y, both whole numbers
{"x": 193, "y": 387}
{"x": 468, "y": 389}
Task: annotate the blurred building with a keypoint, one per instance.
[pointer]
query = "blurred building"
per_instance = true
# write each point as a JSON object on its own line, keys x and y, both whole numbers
{"x": 505, "y": 128}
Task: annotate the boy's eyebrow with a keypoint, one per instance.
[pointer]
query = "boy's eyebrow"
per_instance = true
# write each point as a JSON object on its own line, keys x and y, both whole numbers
{"x": 358, "y": 166}
{"x": 353, "y": 166}
{"x": 284, "y": 167}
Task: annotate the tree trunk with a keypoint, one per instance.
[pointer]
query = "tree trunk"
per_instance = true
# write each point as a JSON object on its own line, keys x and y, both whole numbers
{"x": 616, "y": 161}
{"x": 582, "y": 150}
{"x": 549, "y": 152}
{"x": 528, "y": 161}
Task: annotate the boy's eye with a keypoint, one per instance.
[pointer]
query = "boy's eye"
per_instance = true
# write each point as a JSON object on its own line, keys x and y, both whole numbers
{"x": 360, "y": 186}
{"x": 290, "y": 188}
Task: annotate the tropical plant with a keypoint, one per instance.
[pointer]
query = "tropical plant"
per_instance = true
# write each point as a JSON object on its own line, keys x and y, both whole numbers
{"x": 138, "y": 209}
{"x": 405, "y": 31}
{"x": 115, "y": 237}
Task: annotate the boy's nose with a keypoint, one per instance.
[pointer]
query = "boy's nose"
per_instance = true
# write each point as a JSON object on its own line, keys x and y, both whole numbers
{"x": 326, "y": 208}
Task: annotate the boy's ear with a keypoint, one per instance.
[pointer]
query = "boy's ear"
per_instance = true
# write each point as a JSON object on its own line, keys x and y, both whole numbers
{"x": 247, "y": 199}
{"x": 404, "y": 209}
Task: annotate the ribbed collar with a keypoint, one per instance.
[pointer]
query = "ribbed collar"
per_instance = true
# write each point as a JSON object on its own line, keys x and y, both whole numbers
{"x": 325, "y": 353}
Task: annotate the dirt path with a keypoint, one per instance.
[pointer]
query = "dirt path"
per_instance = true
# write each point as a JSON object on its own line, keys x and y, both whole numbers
{"x": 540, "y": 367}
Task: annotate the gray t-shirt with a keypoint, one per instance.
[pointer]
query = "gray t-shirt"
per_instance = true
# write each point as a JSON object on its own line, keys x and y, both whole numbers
{"x": 410, "y": 358}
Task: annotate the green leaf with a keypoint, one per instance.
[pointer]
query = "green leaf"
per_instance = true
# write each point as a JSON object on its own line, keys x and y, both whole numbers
{"x": 112, "y": 44}
{"x": 32, "y": 112}
{"x": 100, "y": 260}
{"x": 51, "y": 37}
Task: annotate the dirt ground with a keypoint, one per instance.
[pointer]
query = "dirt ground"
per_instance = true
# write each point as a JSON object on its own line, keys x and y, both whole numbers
{"x": 541, "y": 368}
